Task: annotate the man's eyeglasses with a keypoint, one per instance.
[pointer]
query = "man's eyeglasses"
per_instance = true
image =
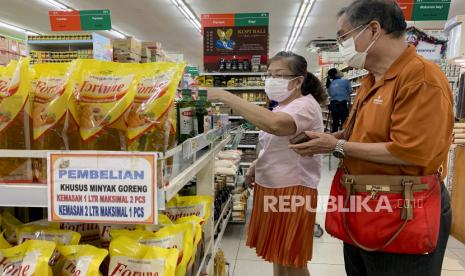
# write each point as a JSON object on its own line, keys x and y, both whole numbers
{"x": 278, "y": 76}
{"x": 340, "y": 39}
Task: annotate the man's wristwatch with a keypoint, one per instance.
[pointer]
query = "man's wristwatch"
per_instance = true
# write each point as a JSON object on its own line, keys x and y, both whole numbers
{"x": 339, "y": 150}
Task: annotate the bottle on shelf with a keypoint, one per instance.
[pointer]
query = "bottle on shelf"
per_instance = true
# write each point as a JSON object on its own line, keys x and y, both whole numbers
{"x": 185, "y": 113}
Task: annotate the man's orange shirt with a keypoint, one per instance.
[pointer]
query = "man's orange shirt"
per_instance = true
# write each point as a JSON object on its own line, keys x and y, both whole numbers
{"x": 410, "y": 109}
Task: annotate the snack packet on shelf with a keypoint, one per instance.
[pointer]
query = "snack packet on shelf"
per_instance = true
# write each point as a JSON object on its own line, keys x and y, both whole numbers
{"x": 60, "y": 237}
{"x": 14, "y": 120}
{"x": 183, "y": 206}
{"x": 179, "y": 236}
{"x": 104, "y": 91}
{"x": 128, "y": 257}
{"x": 29, "y": 258}
{"x": 82, "y": 260}
{"x": 9, "y": 225}
{"x": 49, "y": 103}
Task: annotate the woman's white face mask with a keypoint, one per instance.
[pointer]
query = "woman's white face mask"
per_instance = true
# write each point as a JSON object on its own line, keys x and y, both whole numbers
{"x": 349, "y": 53}
{"x": 277, "y": 89}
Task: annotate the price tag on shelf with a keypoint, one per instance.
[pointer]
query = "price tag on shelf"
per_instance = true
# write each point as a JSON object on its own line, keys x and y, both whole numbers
{"x": 107, "y": 187}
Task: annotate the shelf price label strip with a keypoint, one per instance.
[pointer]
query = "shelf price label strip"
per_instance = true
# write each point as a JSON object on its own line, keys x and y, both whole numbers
{"x": 104, "y": 187}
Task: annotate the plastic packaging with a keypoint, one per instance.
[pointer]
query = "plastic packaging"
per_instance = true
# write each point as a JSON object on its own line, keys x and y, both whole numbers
{"x": 9, "y": 225}
{"x": 14, "y": 120}
{"x": 28, "y": 259}
{"x": 104, "y": 92}
{"x": 81, "y": 260}
{"x": 49, "y": 100}
{"x": 128, "y": 257}
{"x": 179, "y": 236}
{"x": 183, "y": 206}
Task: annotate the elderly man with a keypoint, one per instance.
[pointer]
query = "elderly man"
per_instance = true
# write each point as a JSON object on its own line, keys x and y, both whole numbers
{"x": 402, "y": 126}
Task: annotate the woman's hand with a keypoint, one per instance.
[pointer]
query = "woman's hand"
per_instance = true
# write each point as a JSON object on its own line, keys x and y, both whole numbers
{"x": 320, "y": 143}
{"x": 216, "y": 94}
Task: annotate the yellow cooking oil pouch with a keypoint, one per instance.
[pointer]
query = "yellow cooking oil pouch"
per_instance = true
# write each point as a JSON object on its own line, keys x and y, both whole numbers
{"x": 129, "y": 257}
{"x": 104, "y": 91}
{"x": 82, "y": 260}
{"x": 163, "y": 220}
{"x": 9, "y": 225}
{"x": 179, "y": 236}
{"x": 148, "y": 129}
{"x": 49, "y": 105}
{"x": 15, "y": 85}
{"x": 196, "y": 223}
{"x": 27, "y": 259}
{"x": 59, "y": 236}
{"x": 89, "y": 231}
{"x": 183, "y": 206}
{"x": 3, "y": 242}
{"x": 105, "y": 229}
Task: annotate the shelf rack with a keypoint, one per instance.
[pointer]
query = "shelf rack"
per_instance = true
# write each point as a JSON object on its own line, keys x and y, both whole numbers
{"x": 234, "y": 74}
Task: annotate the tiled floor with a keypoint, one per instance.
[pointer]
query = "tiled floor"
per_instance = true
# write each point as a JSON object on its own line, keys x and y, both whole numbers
{"x": 327, "y": 252}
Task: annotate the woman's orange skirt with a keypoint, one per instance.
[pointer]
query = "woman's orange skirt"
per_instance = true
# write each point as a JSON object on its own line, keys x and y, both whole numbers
{"x": 284, "y": 237}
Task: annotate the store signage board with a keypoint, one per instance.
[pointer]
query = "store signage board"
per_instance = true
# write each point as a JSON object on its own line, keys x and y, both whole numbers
{"x": 108, "y": 187}
{"x": 85, "y": 20}
{"x": 61, "y": 21}
{"x": 234, "y": 36}
{"x": 95, "y": 20}
{"x": 425, "y": 10}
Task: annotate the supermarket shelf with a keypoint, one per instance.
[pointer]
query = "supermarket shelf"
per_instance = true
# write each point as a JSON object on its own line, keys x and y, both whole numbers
{"x": 246, "y": 146}
{"x": 356, "y": 85}
{"x": 226, "y": 208}
{"x": 59, "y": 42}
{"x": 358, "y": 76}
{"x": 252, "y": 132}
{"x": 234, "y": 74}
{"x": 23, "y": 195}
{"x": 248, "y": 164}
{"x": 246, "y": 88}
{"x": 236, "y": 118}
{"x": 224, "y": 225}
{"x": 178, "y": 182}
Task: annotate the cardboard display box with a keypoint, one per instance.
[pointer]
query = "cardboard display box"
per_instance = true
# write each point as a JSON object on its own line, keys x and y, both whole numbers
{"x": 130, "y": 45}
{"x": 3, "y": 43}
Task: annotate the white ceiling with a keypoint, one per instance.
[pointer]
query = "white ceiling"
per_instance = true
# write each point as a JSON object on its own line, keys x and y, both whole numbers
{"x": 160, "y": 20}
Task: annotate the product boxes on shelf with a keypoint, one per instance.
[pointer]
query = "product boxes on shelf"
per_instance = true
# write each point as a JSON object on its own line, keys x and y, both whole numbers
{"x": 13, "y": 46}
{"x": 127, "y": 45}
{"x": 128, "y": 57}
{"x": 3, "y": 43}
{"x": 4, "y": 57}
{"x": 22, "y": 49}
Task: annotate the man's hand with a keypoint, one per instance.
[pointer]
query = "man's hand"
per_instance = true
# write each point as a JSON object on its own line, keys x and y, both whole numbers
{"x": 320, "y": 143}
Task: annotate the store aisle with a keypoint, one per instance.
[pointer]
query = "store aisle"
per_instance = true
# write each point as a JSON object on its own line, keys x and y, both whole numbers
{"x": 327, "y": 252}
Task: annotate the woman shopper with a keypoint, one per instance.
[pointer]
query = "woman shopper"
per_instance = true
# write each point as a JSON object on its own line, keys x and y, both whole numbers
{"x": 283, "y": 234}
{"x": 339, "y": 91}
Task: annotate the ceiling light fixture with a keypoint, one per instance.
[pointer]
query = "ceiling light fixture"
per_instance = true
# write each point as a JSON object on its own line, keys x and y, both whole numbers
{"x": 188, "y": 13}
{"x": 56, "y": 4}
{"x": 299, "y": 22}
{"x": 17, "y": 29}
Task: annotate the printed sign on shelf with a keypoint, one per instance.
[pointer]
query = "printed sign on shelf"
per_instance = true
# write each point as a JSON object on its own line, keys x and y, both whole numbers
{"x": 107, "y": 187}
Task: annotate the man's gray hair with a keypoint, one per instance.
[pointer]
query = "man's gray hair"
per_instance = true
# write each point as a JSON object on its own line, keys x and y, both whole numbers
{"x": 387, "y": 12}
